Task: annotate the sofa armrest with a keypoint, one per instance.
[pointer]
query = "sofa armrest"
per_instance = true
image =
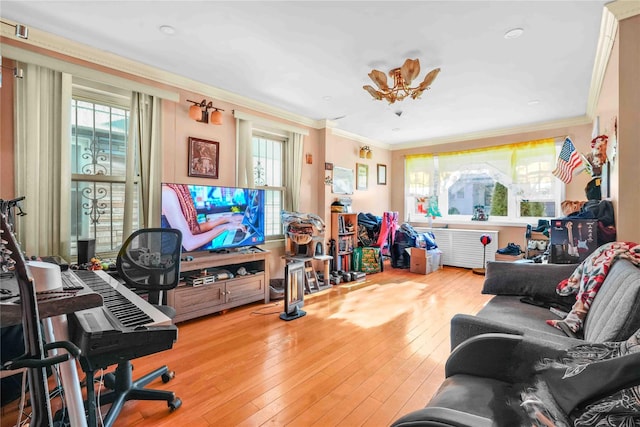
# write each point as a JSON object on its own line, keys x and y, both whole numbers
{"x": 441, "y": 417}
{"x": 504, "y": 357}
{"x": 465, "y": 326}
{"x": 526, "y": 279}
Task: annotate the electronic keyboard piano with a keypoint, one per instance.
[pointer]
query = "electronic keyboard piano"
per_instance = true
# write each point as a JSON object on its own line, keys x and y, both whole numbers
{"x": 124, "y": 328}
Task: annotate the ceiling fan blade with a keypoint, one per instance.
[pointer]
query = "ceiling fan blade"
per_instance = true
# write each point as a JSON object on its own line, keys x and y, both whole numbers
{"x": 377, "y": 95}
{"x": 410, "y": 70}
{"x": 380, "y": 79}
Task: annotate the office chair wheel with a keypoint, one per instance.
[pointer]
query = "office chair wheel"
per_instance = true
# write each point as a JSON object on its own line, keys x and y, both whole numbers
{"x": 168, "y": 376}
{"x": 174, "y": 404}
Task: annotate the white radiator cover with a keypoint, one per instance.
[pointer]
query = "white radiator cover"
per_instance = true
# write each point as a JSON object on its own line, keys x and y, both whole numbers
{"x": 462, "y": 248}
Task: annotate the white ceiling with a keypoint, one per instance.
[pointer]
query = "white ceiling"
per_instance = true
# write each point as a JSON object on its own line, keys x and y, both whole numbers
{"x": 311, "y": 58}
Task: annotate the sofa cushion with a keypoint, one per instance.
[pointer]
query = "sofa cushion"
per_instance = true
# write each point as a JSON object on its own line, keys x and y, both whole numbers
{"x": 615, "y": 312}
{"x": 529, "y": 319}
{"x": 526, "y": 279}
{"x": 485, "y": 397}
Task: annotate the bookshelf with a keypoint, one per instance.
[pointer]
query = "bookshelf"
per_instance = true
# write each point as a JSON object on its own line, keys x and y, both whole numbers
{"x": 344, "y": 231}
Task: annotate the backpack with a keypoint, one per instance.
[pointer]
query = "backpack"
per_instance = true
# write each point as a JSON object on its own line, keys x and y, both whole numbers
{"x": 368, "y": 229}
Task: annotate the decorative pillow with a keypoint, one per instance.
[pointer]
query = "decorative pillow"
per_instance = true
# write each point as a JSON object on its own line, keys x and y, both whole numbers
{"x": 534, "y": 280}
{"x": 586, "y": 372}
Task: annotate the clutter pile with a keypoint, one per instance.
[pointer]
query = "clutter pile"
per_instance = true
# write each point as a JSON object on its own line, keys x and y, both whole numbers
{"x": 301, "y": 228}
{"x": 406, "y": 238}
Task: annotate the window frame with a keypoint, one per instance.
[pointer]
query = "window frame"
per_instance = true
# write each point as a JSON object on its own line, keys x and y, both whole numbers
{"x": 99, "y": 94}
{"x": 271, "y": 135}
{"x": 514, "y": 201}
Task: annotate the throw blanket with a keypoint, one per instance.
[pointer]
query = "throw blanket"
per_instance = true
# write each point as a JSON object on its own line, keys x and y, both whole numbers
{"x": 563, "y": 386}
{"x": 587, "y": 278}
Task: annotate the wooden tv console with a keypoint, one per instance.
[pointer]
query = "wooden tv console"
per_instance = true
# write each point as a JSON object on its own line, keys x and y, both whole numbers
{"x": 222, "y": 293}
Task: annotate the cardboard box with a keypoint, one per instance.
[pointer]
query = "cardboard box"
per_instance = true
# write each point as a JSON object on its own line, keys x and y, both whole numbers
{"x": 572, "y": 240}
{"x": 424, "y": 261}
{"x": 511, "y": 258}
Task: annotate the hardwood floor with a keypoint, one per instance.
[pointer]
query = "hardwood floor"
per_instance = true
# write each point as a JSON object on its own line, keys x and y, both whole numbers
{"x": 360, "y": 357}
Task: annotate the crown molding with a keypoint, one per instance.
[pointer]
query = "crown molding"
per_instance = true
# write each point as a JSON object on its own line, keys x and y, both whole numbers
{"x": 623, "y": 9}
{"x": 612, "y": 13}
{"x": 50, "y": 42}
{"x": 555, "y": 124}
{"x": 327, "y": 124}
{"x": 238, "y": 114}
{"x": 361, "y": 139}
{"x": 79, "y": 71}
{"x": 608, "y": 31}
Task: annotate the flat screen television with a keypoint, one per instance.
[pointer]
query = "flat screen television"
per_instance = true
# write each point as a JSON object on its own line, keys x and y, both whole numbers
{"x": 214, "y": 218}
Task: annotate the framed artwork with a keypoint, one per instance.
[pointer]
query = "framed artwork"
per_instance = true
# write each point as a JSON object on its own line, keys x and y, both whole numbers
{"x": 203, "y": 158}
{"x": 342, "y": 180}
{"x": 382, "y": 174}
{"x": 362, "y": 176}
{"x": 328, "y": 166}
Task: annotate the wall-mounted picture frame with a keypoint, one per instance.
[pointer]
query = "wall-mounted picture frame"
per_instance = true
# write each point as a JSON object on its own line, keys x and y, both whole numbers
{"x": 328, "y": 166}
{"x": 342, "y": 180}
{"x": 362, "y": 176}
{"x": 382, "y": 174}
{"x": 203, "y": 158}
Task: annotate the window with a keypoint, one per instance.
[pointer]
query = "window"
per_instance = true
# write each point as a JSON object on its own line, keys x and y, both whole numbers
{"x": 510, "y": 182}
{"x": 99, "y": 139}
{"x": 268, "y": 174}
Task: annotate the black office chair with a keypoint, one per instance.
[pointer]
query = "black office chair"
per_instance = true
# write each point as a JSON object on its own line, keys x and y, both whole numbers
{"x": 148, "y": 260}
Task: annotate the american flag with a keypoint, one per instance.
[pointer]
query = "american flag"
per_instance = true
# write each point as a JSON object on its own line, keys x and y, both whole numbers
{"x": 568, "y": 161}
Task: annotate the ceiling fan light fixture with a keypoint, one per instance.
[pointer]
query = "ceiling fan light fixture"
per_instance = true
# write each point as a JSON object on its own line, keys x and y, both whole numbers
{"x": 402, "y": 78}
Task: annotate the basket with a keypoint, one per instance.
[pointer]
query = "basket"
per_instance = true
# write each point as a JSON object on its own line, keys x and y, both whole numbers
{"x": 300, "y": 238}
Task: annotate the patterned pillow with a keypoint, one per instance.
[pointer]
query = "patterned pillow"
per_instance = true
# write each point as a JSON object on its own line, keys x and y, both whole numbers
{"x": 585, "y": 372}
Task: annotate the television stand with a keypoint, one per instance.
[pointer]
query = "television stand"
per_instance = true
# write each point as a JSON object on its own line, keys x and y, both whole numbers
{"x": 294, "y": 315}
{"x": 215, "y": 295}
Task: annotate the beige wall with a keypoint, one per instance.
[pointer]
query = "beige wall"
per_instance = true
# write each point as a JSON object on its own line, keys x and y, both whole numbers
{"x": 6, "y": 132}
{"x": 344, "y": 152}
{"x": 626, "y": 191}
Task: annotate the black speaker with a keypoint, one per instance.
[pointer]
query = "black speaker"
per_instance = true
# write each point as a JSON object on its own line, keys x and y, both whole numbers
{"x": 86, "y": 250}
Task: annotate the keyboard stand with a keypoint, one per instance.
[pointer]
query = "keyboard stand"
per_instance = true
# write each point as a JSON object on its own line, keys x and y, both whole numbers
{"x": 56, "y": 329}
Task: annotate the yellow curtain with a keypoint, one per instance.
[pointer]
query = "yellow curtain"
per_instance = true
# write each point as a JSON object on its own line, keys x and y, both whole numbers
{"x": 525, "y": 167}
{"x": 419, "y": 174}
{"x": 505, "y": 159}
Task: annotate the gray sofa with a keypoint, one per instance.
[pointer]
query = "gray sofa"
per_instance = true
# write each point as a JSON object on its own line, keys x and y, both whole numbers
{"x": 497, "y": 353}
{"x": 495, "y": 380}
{"x": 614, "y": 314}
